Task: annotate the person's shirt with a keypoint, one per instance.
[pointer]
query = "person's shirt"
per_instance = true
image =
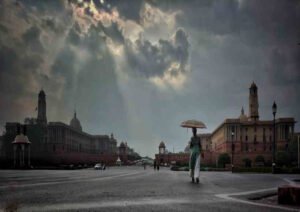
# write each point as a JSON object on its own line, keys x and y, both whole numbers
{"x": 195, "y": 144}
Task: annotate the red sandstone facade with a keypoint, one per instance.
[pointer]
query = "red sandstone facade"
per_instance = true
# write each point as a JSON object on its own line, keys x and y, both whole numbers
{"x": 248, "y": 135}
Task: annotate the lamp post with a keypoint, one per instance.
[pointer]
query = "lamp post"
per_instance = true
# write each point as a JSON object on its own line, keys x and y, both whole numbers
{"x": 298, "y": 152}
{"x": 232, "y": 150}
{"x": 274, "y": 110}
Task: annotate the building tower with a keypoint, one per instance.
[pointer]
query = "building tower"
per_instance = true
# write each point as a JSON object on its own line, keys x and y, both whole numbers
{"x": 162, "y": 148}
{"x": 253, "y": 102}
{"x": 243, "y": 117}
{"x": 41, "y": 118}
{"x": 75, "y": 123}
{"x": 123, "y": 152}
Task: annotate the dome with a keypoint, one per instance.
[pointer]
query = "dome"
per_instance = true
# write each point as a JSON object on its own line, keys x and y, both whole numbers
{"x": 162, "y": 145}
{"x": 243, "y": 117}
{"x": 122, "y": 145}
{"x": 21, "y": 139}
{"x": 75, "y": 123}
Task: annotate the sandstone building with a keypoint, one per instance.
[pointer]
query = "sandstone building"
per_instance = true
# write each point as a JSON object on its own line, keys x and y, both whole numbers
{"x": 247, "y": 136}
{"x": 57, "y": 142}
{"x": 244, "y": 137}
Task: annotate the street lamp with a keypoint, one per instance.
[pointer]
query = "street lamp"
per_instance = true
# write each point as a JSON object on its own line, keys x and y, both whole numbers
{"x": 274, "y": 110}
{"x": 298, "y": 153}
{"x": 232, "y": 150}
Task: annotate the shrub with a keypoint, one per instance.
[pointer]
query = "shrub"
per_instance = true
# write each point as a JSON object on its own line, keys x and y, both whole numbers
{"x": 247, "y": 162}
{"x": 282, "y": 158}
{"x": 223, "y": 160}
{"x": 254, "y": 170}
{"x": 259, "y": 160}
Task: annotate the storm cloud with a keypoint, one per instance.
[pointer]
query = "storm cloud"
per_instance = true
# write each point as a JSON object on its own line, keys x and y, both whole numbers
{"x": 139, "y": 68}
{"x": 150, "y": 59}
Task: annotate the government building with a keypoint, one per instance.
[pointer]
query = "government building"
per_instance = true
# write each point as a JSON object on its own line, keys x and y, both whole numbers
{"x": 54, "y": 143}
{"x": 244, "y": 137}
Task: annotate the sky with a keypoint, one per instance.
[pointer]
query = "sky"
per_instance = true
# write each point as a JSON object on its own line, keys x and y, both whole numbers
{"x": 139, "y": 68}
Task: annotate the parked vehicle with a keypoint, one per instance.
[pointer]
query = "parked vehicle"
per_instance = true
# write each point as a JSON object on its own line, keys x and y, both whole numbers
{"x": 98, "y": 166}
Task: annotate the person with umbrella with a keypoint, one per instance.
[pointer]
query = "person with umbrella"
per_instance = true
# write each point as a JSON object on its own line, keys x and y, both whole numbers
{"x": 195, "y": 148}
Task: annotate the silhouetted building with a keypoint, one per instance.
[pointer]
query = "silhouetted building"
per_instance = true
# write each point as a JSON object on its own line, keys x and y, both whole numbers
{"x": 59, "y": 143}
{"x": 42, "y": 108}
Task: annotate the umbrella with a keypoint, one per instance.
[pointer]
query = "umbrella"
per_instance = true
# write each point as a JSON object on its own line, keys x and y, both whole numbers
{"x": 193, "y": 124}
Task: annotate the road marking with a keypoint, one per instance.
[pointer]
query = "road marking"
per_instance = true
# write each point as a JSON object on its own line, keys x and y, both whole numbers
{"x": 91, "y": 205}
{"x": 68, "y": 181}
{"x": 229, "y": 197}
{"x": 291, "y": 182}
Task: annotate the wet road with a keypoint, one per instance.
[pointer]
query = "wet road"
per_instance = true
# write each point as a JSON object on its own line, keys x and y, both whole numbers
{"x": 131, "y": 189}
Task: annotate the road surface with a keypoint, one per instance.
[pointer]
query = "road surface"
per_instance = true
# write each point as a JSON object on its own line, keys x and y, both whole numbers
{"x": 133, "y": 189}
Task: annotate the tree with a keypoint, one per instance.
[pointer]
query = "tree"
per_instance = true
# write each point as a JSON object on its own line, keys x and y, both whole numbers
{"x": 282, "y": 158}
{"x": 223, "y": 159}
{"x": 292, "y": 150}
{"x": 247, "y": 162}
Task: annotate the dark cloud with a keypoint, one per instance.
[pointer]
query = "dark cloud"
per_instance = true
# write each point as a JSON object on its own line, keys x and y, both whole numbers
{"x": 147, "y": 59}
{"x": 45, "y": 6}
{"x": 31, "y": 39}
{"x": 226, "y": 44}
{"x": 128, "y": 10}
{"x": 52, "y": 25}
{"x": 7, "y": 59}
{"x": 74, "y": 34}
{"x": 113, "y": 31}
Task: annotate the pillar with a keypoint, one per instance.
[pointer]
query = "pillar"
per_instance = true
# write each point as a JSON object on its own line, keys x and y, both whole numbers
{"x": 23, "y": 154}
{"x": 28, "y": 155}
{"x": 15, "y": 149}
{"x": 20, "y": 156}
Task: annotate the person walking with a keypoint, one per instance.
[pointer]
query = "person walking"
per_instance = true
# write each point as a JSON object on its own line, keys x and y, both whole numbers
{"x": 194, "y": 163}
{"x": 154, "y": 165}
